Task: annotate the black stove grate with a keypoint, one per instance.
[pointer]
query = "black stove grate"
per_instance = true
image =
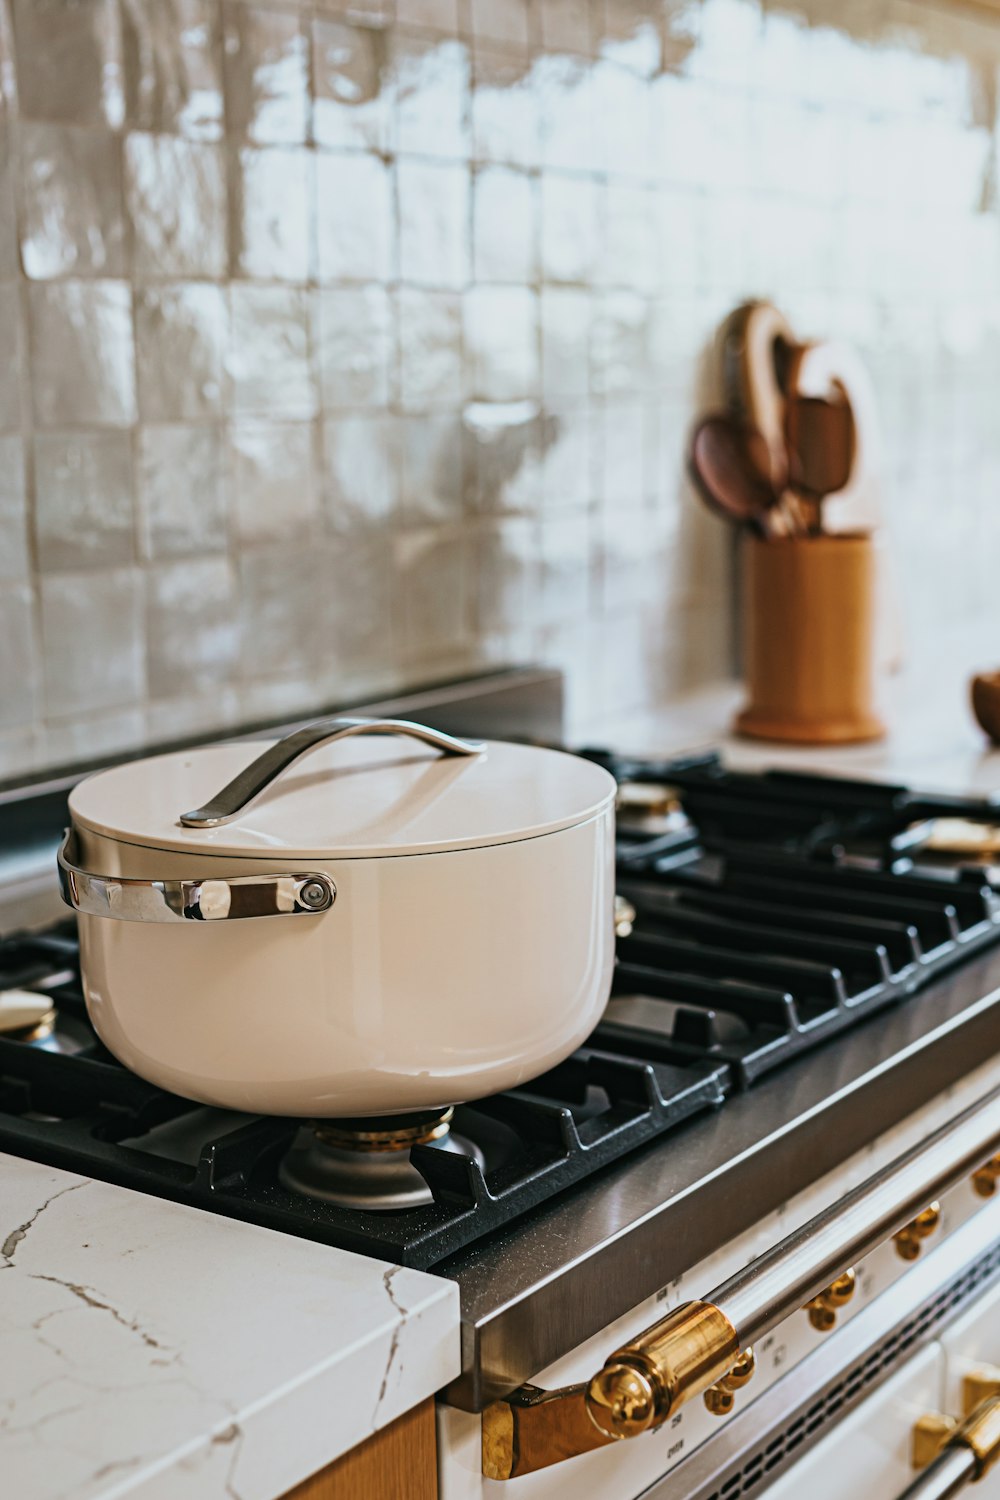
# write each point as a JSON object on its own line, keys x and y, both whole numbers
{"x": 779, "y": 909}
{"x": 770, "y": 914}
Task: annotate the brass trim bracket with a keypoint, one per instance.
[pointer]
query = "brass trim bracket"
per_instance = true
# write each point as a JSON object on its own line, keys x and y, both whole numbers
{"x": 979, "y": 1433}
{"x": 533, "y": 1429}
{"x": 640, "y": 1386}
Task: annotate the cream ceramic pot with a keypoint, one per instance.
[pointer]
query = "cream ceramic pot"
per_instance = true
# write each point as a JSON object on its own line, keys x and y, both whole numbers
{"x": 395, "y": 924}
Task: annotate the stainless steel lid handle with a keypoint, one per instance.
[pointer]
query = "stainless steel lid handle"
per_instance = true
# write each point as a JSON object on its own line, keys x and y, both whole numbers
{"x": 245, "y": 788}
{"x": 214, "y": 899}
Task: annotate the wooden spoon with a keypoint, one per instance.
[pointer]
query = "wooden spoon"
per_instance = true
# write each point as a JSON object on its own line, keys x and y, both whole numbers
{"x": 820, "y": 429}
{"x": 725, "y": 461}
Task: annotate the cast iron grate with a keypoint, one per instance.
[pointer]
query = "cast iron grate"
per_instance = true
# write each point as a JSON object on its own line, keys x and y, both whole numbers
{"x": 86, "y": 1113}
{"x": 779, "y": 909}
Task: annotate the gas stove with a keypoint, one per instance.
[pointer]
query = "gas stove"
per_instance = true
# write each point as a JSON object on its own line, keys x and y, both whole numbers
{"x": 805, "y": 965}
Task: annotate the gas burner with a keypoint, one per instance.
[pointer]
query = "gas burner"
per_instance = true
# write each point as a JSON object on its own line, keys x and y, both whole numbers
{"x": 26, "y": 1016}
{"x": 36, "y": 1020}
{"x": 365, "y": 1163}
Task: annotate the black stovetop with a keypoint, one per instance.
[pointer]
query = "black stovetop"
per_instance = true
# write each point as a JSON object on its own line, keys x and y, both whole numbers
{"x": 770, "y": 913}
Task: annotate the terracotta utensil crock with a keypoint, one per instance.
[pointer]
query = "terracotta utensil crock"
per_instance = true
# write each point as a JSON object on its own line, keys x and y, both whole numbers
{"x": 809, "y": 639}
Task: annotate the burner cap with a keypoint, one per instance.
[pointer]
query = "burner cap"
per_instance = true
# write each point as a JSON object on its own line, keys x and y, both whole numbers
{"x": 25, "y": 1015}
{"x": 365, "y": 1163}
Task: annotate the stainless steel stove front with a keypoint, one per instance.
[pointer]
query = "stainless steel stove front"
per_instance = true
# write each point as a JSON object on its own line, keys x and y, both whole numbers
{"x": 809, "y": 1376}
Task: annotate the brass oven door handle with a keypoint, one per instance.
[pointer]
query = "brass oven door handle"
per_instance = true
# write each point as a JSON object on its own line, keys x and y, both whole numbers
{"x": 706, "y": 1343}
{"x": 968, "y": 1453}
{"x": 237, "y": 795}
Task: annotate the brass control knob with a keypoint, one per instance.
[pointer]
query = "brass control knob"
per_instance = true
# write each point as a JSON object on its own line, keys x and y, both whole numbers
{"x": 823, "y": 1309}
{"x": 908, "y": 1241}
{"x": 719, "y": 1397}
{"x": 984, "y": 1181}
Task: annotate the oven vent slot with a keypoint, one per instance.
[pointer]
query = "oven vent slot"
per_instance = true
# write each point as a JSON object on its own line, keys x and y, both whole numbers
{"x": 851, "y": 1386}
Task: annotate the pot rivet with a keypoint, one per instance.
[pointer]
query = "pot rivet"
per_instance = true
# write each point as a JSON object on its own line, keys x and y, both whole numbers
{"x": 316, "y": 895}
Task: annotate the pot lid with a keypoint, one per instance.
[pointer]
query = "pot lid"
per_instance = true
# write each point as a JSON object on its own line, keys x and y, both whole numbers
{"x": 352, "y": 798}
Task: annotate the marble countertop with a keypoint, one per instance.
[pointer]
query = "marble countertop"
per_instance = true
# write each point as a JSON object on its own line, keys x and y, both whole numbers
{"x": 155, "y": 1351}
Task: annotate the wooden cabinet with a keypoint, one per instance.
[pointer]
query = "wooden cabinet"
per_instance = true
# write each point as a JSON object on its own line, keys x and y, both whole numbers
{"x": 398, "y": 1463}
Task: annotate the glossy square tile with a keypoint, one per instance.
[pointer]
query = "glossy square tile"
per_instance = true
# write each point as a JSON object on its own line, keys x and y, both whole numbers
{"x": 503, "y": 21}
{"x": 266, "y": 73}
{"x": 504, "y": 225}
{"x": 355, "y": 221}
{"x": 433, "y": 566}
{"x": 570, "y": 462}
{"x": 430, "y": 348}
{"x": 565, "y": 549}
{"x": 14, "y": 558}
{"x": 272, "y": 474}
{"x": 431, "y": 82}
{"x": 192, "y": 626}
{"x": 564, "y": 89}
{"x": 18, "y": 671}
{"x": 72, "y": 211}
{"x": 434, "y": 245}
{"x": 502, "y": 342}
{"x": 356, "y": 346}
{"x": 621, "y": 482}
{"x": 630, "y": 34}
{"x": 362, "y": 649}
{"x": 506, "y": 573}
{"x": 82, "y": 353}
{"x": 430, "y": 15}
{"x": 271, "y": 359}
{"x": 569, "y": 227}
{"x": 374, "y": 13}
{"x": 172, "y": 65}
{"x": 93, "y": 640}
{"x": 284, "y": 594}
{"x": 618, "y": 344}
{"x": 431, "y": 468}
{"x": 83, "y": 499}
{"x": 504, "y": 444}
{"x": 69, "y": 62}
{"x": 180, "y": 338}
{"x": 505, "y": 117}
{"x": 565, "y": 323}
{"x": 10, "y": 358}
{"x": 621, "y": 100}
{"x": 181, "y": 491}
{"x": 270, "y": 213}
{"x": 361, "y": 472}
{"x": 354, "y": 89}
{"x": 566, "y": 25}
{"x": 175, "y": 192}
{"x": 629, "y": 252}
{"x": 10, "y": 258}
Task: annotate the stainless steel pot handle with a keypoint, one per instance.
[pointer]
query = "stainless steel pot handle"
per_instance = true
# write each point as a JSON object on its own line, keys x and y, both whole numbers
{"x": 706, "y": 1344}
{"x": 245, "y": 788}
{"x": 214, "y": 899}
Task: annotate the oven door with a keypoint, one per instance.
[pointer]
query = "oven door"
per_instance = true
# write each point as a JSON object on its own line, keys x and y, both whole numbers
{"x": 868, "y": 1452}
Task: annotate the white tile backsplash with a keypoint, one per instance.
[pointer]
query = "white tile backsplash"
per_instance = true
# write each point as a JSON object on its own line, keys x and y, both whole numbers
{"x": 346, "y": 343}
